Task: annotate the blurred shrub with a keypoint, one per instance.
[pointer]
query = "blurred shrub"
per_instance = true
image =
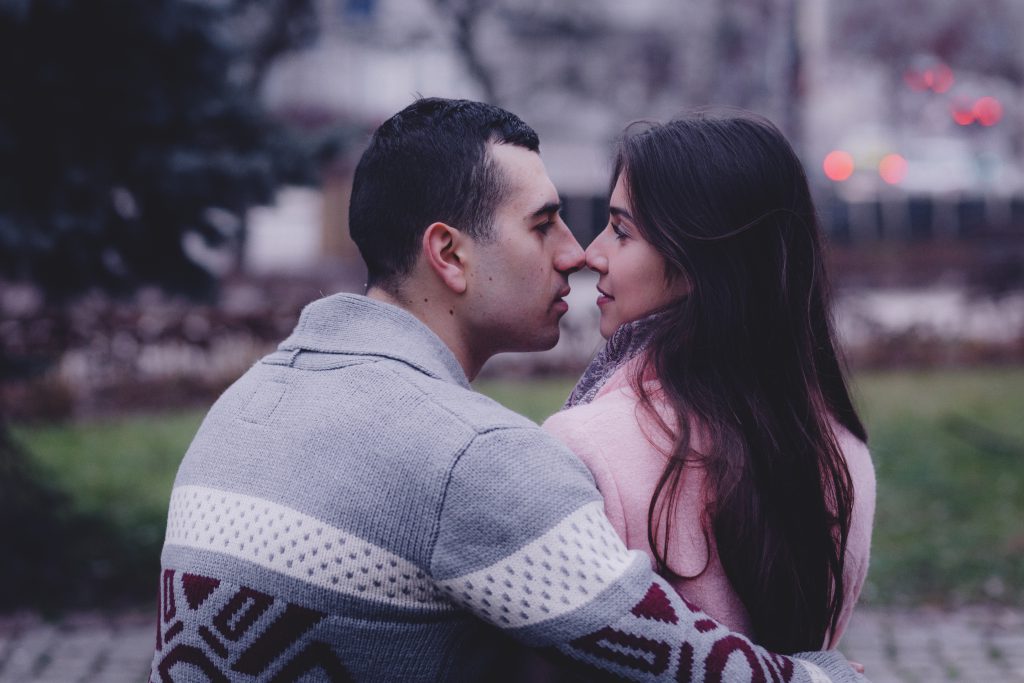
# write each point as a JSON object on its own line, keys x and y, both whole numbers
{"x": 57, "y": 557}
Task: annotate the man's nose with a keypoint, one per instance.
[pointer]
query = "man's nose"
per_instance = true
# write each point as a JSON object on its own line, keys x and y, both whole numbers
{"x": 570, "y": 257}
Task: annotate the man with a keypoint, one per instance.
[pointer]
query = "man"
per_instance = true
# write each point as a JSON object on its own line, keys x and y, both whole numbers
{"x": 351, "y": 510}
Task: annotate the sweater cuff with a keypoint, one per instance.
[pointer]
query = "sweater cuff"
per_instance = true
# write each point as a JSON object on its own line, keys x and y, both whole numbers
{"x": 828, "y": 665}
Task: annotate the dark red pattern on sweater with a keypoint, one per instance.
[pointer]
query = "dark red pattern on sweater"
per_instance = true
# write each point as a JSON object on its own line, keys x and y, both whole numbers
{"x": 705, "y": 625}
{"x": 287, "y": 629}
{"x": 656, "y": 606}
{"x": 685, "y": 671}
{"x": 619, "y": 649}
{"x": 724, "y": 649}
{"x": 193, "y": 648}
{"x": 241, "y": 612}
{"x": 197, "y": 588}
{"x": 626, "y": 649}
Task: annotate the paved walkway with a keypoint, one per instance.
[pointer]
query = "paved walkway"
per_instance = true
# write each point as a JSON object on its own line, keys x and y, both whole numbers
{"x": 973, "y": 645}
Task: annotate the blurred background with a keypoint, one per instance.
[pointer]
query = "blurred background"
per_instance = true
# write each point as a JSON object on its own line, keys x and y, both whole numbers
{"x": 174, "y": 178}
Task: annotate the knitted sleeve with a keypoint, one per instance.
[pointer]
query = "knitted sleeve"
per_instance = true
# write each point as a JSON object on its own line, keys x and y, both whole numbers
{"x": 523, "y": 543}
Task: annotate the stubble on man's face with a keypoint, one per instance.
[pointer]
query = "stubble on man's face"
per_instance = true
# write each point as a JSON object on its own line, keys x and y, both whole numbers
{"x": 519, "y": 277}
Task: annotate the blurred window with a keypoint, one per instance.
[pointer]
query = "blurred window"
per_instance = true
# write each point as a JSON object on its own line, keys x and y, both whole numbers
{"x": 359, "y": 9}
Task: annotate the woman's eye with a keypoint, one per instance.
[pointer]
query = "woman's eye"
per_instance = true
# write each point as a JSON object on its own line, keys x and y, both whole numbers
{"x": 620, "y": 234}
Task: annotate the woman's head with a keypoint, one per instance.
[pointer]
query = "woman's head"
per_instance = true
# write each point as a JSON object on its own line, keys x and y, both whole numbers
{"x": 745, "y": 354}
{"x": 634, "y": 279}
{"x": 712, "y": 210}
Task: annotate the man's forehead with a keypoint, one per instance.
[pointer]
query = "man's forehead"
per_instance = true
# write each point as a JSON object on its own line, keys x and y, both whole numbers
{"x": 529, "y": 189}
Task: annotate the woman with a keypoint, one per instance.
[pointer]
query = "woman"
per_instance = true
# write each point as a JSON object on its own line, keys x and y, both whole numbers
{"x": 717, "y": 420}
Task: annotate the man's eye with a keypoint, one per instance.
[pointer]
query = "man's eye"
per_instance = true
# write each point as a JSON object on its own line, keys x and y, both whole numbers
{"x": 544, "y": 227}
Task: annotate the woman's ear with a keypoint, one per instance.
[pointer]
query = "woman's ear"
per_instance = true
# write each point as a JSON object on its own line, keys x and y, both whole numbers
{"x": 442, "y": 252}
{"x": 677, "y": 282}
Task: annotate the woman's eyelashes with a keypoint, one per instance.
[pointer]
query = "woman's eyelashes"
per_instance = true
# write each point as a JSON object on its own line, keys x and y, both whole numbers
{"x": 620, "y": 232}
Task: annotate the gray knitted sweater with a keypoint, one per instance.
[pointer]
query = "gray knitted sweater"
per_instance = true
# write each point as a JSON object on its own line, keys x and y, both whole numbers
{"x": 351, "y": 510}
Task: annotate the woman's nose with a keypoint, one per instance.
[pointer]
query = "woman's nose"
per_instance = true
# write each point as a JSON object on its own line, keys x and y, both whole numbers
{"x": 596, "y": 260}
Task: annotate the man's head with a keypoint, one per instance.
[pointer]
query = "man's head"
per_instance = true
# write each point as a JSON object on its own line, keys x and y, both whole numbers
{"x": 429, "y": 162}
{"x": 458, "y": 221}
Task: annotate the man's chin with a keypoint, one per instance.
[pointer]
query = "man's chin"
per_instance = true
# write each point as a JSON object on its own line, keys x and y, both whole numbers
{"x": 542, "y": 342}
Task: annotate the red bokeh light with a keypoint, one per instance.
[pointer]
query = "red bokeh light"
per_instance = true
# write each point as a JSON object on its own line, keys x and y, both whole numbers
{"x": 988, "y": 111}
{"x": 892, "y": 168}
{"x": 938, "y": 78}
{"x": 962, "y": 111}
{"x": 838, "y": 165}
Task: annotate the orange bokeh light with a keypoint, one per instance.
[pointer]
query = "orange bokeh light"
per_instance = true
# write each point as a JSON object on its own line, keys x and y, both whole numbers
{"x": 892, "y": 168}
{"x": 838, "y": 165}
{"x": 988, "y": 111}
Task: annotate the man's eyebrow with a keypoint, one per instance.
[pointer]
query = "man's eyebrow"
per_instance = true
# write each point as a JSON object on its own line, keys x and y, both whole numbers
{"x": 550, "y": 207}
{"x": 619, "y": 212}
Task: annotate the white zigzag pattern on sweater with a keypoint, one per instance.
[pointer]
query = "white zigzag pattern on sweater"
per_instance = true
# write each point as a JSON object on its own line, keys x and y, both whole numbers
{"x": 297, "y": 545}
{"x": 559, "y": 572}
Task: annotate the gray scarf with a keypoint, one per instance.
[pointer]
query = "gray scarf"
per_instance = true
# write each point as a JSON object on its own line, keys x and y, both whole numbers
{"x": 624, "y": 345}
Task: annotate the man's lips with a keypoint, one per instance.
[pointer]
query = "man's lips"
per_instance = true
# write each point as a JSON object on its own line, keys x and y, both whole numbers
{"x": 560, "y": 305}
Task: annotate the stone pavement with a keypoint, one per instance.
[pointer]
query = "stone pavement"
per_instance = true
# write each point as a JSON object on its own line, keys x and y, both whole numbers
{"x": 971, "y": 645}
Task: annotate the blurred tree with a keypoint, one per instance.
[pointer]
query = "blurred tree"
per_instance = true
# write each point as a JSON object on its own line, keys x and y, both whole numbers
{"x": 982, "y": 36}
{"x": 465, "y": 17}
{"x": 609, "y": 64}
{"x": 263, "y": 30}
{"x": 131, "y": 145}
{"x": 131, "y": 138}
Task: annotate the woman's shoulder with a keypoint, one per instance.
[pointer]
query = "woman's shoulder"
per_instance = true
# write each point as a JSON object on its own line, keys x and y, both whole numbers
{"x": 592, "y": 420}
{"x": 856, "y": 454}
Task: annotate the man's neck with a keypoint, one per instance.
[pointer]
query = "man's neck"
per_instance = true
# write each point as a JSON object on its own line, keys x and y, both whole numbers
{"x": 442, "y": 321}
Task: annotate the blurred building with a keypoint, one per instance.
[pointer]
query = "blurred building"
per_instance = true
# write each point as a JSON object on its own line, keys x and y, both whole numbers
{"x": 899, "y": 149}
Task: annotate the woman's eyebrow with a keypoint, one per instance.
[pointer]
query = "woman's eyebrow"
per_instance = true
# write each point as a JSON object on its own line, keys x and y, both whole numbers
{"x": 619, "y": 212}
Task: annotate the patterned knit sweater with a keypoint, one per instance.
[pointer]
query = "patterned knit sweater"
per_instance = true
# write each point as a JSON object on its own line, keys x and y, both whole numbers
{"x": 351, "y": 510}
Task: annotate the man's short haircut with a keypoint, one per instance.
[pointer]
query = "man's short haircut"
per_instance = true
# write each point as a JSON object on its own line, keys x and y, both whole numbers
{"x": 429, "y": 163}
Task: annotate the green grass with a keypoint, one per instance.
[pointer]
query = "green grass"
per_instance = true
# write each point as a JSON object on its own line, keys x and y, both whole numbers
{"x": 537, "y": 399}
{"x": 120, "y": 468}
{"x": 948, "y": 449}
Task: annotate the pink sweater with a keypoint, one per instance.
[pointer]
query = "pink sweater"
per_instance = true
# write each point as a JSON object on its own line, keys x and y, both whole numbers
{"x": 625, "y": 453}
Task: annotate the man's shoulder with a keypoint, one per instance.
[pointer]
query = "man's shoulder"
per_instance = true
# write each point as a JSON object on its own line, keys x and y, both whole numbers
{"x": 467, "y": 406}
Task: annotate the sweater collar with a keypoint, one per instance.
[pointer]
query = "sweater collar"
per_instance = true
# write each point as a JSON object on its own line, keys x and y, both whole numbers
{"x": 357, "y": 325}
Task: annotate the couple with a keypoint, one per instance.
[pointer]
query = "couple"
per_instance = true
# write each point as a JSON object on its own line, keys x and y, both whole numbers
{"x": 351, "y": 509}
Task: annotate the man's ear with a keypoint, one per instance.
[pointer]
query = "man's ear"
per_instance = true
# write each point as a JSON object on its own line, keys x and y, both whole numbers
{"x": 442, "y": 252}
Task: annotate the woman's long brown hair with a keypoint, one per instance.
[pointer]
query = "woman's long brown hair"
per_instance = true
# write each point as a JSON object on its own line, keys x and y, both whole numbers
{"x": 748, "y": 362}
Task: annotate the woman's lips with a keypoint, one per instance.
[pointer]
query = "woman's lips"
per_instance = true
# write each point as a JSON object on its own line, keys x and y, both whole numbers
{"x": 603, "y": 298}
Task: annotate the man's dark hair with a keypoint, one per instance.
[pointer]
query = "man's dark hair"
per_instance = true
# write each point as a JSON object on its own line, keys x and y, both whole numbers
{"x": 429, "y": 163}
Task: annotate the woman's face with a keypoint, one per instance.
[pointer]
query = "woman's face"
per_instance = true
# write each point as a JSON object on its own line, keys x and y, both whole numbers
{"x": 632, "y": 279}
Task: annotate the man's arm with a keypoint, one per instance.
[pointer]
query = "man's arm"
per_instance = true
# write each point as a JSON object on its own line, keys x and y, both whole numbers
{"x": 523, "y": 543}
